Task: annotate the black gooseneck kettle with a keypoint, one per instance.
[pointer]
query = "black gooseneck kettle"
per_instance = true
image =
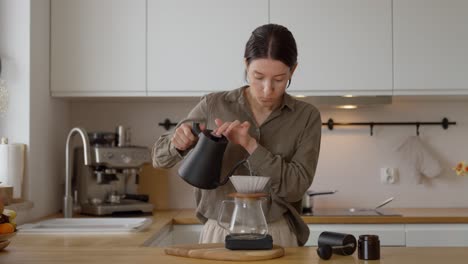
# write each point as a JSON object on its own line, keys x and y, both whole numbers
{"x": 202, "y": 166}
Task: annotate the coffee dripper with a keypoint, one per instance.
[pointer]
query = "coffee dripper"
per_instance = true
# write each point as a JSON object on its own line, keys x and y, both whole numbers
{"x": 247, "y": 227}
{"x": 247, "y": 220}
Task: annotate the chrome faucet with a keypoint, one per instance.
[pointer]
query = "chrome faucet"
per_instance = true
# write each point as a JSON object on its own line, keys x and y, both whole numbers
{"x": 67, "y": 199}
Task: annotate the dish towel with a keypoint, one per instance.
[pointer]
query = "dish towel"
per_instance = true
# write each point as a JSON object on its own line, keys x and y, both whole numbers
{"x": 423, "y": 163}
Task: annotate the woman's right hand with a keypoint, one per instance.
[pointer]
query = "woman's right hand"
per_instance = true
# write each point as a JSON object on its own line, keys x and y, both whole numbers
{"x": 183, "y": 137}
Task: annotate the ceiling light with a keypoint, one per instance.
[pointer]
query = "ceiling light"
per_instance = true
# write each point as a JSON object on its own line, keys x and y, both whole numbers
{"x": 347, "y": 107}
{"x": 355, "y": 101}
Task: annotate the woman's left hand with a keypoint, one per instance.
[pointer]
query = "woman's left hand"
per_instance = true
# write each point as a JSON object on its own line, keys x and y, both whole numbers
{"x": 237, "y": 133}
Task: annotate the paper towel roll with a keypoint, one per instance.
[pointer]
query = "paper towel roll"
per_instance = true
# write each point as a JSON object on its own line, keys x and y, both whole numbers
{"x": 3, "y": 164}
{"x": 16, "y": 166}
{"x": 12, "y": 166}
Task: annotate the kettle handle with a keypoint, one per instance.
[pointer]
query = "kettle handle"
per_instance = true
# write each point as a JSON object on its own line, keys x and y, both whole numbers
{"x": 195, "y": 124}
{"x": 232, "y": 171}
{"x": 196, "y": 130}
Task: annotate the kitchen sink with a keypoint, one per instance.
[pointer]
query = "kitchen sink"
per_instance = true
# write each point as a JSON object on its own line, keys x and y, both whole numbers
{"x": 175, "y": 234}
{"x": 87, "y": 225}
{"x": 354, "y": 212}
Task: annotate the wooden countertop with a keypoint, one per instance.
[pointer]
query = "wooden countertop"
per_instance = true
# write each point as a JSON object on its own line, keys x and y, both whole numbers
{"x": 130, "y": 248}
{"x": 408, "y": 216}
{"x": 142, "y": 255}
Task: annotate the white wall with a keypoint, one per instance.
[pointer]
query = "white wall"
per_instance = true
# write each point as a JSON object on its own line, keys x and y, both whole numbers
{"x": 15, "y": 54}
{"x": 350, "y": 159}
{"x": 49, "y": 122}
{"x": 14, "y": 51}
{"x": 33, "y": 117}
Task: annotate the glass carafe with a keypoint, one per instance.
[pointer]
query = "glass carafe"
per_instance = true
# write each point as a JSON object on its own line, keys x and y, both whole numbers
{"x": 247, "y": 220}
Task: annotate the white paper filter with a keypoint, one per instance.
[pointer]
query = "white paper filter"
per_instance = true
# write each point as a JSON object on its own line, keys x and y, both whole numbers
{"x": 4, "y": 164}
{"x": 249, "y": 184}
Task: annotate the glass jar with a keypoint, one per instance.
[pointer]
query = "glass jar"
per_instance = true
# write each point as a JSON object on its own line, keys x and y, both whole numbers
{"x": 247, "y": 220}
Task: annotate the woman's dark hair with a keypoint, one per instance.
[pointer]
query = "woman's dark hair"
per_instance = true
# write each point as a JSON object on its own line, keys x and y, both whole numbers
{"x": 272, "y": 41}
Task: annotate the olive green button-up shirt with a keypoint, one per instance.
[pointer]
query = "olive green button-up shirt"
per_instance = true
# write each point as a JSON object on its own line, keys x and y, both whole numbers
{"x": 287, "y": 152}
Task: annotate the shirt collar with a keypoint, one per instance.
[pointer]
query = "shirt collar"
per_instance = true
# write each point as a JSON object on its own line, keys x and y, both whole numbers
{"x": 237, "y": 95}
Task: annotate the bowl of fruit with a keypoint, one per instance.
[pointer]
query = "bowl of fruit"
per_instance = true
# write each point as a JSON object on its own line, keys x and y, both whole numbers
{"x": 7, "y": 226}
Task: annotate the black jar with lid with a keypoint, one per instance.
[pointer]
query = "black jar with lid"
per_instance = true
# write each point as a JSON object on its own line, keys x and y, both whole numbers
{"x": 369, "y": 247}
{"x": 340, "y": 243}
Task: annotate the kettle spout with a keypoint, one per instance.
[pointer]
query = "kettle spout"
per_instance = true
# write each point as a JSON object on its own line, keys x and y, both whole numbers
{"x": 231, "y": 172}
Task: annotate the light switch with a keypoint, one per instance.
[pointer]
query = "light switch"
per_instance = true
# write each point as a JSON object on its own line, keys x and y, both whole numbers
{"x": 388, "y": 175}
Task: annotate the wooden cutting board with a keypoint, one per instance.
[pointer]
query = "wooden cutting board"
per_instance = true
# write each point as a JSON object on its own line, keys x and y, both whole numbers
{"x": 217, "y": 251}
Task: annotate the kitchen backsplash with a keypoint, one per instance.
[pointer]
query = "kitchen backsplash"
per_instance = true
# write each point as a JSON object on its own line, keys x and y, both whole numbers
{"x": 350, "y": 159}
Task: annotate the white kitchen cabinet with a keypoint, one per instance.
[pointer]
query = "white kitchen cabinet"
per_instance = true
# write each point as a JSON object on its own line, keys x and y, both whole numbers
{"x": 430, "y": 47}
{"x": 98, "y": 47}
{"x": 196, "y": 47}
{"x": 437, "y": 235}
{"x": 389, "y": 234}
{"x": 345, "y": 47}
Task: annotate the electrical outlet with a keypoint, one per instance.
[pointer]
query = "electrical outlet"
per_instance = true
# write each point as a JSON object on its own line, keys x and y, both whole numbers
{"x": 388, "y": 175}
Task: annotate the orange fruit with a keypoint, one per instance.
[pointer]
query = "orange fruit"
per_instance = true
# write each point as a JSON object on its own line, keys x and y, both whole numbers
{"x": 6, "y": 228}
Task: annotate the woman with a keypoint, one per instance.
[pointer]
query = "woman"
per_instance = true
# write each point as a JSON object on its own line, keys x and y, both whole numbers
{"x": 278, "y": 135}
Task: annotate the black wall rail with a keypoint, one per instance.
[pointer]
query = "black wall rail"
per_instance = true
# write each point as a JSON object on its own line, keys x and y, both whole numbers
{"x": 167, "y": 124}
{"x": 445, "y": 123}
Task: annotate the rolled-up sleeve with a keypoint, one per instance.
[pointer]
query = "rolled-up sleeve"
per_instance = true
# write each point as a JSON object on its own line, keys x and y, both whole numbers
{"x": 164, "y": 154}
{"x": 291, "y": 179}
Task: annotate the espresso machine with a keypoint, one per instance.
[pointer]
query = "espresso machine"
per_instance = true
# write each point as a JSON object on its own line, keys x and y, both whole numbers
{"x": 108, "y": 185}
